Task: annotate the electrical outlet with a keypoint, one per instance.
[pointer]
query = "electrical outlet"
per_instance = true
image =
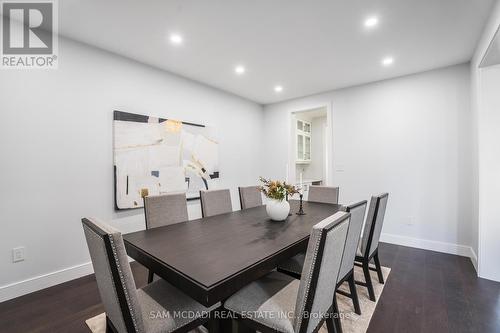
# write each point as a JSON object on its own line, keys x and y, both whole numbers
{"x": 18, "y": 254}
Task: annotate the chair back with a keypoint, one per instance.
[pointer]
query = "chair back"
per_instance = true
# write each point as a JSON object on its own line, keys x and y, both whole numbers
{"x": 114, "y": 277}
{"x": 357, "y": 211}
{"x": 165, "y": 209}
{"x": 373, "y": 225}
{"x": 320, "y": 272}
{"x": 250, "y": 197}
{"x": 215, "y": 202}
{"x": 324, "y": 194}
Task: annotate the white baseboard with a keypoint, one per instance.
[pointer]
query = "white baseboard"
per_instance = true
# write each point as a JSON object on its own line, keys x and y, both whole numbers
{"x": 461, "y": 250}
{"x": 40, "y": 282}
{"x": 20, "y": 288}
{"x": 473, "y": 258}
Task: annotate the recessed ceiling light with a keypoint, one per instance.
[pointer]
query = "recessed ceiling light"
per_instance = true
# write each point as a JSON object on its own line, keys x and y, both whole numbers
{"x": 278, "y": 89}
{"x": 239, "y": 70}
{"x": 176, "y": 39}
{"x": 387, "y": 61}
{"x": 371, "y": 22}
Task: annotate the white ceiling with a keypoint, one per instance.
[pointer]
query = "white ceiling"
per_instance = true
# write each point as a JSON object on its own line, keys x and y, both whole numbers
{"x": 305, "y": 46}
{"x": 492, "y": 56}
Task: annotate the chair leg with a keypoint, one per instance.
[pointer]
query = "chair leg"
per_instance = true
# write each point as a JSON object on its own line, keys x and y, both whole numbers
{"x": 109, "y": 326}
{"x": 379, "y": 268}
{"x": 330, "y": 324}
{"x": 354, "y": 294}
{"x": 213, "y": 325}
{"x": 150, "y": 277}
{"x": 336, "y": 316}
{"x": 225, "y": 325}
{"x": 242, "y": 328}
{"x": 368, "y": 280}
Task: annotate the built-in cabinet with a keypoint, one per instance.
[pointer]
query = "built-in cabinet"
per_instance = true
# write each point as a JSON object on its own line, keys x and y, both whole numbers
{"x": 307, "y": 147}
{"x": 303, "y": 135}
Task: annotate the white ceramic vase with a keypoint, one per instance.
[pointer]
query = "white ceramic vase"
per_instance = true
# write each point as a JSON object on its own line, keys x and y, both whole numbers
{"x": 277, "y": 210}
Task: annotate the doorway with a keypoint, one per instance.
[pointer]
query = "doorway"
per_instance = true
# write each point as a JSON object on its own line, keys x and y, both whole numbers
{"x": 309, "y": 155}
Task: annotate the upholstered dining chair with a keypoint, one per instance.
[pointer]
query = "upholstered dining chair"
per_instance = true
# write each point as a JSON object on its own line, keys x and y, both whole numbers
{"x": 129, "y": 309}
{"x": 289, "y": 305}
{"x": 250, "y": 197}
{"x": 346, "y": 273}
{"x": 324, "y": 194}
{"x": 294, "y": 265}
{"x": 215, "y": 202}
{"x": 164, "y": 209}
{"x": 368, "y": 246}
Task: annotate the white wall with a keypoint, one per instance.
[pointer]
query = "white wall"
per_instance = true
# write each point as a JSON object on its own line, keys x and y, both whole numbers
{"x": 485, "y": 110}
{"x": 57, "y": 161}
{"x": 408, "y": 136}
{"x": 489, "y": 174}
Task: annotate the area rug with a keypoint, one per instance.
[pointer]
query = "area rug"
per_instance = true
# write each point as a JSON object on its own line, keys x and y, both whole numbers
{"x": 351, "y": 322}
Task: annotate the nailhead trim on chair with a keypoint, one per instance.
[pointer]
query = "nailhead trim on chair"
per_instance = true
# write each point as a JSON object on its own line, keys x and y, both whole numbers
{"x": 122, "y": 280}
{"x": 308, "y": 286}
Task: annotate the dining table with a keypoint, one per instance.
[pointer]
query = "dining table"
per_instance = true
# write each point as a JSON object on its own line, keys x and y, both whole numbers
{"x": 213, "y": 257}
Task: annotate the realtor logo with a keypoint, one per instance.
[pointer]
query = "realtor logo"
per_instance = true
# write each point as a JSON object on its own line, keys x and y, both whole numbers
{"x": 29, "y": 34}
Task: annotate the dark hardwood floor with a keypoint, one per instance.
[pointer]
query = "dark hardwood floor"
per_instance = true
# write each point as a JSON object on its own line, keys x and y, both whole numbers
{"x": 434, "y": 292}
{"x": 426, "y": 292}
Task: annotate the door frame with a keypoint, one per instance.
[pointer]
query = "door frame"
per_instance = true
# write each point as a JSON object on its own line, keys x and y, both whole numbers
{"x": 328, "y": 105}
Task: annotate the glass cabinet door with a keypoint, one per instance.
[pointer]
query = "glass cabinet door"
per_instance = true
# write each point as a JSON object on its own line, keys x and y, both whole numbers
{"x": 303, "y": 134}
{"x": 307, "y": 148}
{"x": 300, "y": 125}
{"x": 300, "y": 147}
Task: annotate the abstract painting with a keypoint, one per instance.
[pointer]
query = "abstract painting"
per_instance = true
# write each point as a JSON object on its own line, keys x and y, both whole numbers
{"x": 156, "y": 156}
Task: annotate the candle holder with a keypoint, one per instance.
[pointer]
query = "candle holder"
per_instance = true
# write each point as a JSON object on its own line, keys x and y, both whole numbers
{"x": 301, "y": 209}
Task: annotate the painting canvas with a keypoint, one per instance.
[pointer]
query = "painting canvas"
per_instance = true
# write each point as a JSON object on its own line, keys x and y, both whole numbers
{"x": 158, "y": 156}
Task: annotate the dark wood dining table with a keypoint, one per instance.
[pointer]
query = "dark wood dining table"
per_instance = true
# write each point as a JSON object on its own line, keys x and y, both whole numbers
{"x": 211, "y": 258}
